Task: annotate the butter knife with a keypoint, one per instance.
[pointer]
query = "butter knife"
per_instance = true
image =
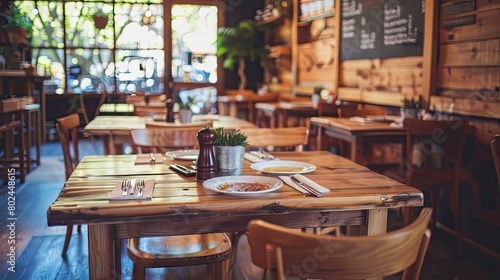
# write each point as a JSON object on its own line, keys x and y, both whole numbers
{"x": 306, "y": 187}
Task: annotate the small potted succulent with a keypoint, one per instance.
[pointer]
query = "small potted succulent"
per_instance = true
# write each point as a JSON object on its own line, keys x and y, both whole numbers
{"x": 229, "y": 149}
{"x": 411, "y": 107}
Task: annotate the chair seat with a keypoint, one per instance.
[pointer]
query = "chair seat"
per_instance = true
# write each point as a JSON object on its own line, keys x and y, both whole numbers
{"x": 186, "y": 250}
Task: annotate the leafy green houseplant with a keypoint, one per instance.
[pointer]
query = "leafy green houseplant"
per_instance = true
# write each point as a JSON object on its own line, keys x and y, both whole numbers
{"x": 229, "y": 149}
{"x": 238, "y": 43}
{"x": 18, "y": 25}
{"x": 410, "y": 107}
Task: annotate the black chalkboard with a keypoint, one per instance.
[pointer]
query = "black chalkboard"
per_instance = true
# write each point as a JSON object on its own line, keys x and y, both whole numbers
{"x": 381, "y": 29}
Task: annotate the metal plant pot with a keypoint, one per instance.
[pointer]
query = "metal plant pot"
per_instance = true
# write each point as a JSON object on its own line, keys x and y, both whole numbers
{"x": 229, "y": 160}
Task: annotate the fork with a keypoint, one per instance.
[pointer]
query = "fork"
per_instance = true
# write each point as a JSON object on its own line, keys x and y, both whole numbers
{"x": 141, "y": 186}
{"x": 125, "y": 186}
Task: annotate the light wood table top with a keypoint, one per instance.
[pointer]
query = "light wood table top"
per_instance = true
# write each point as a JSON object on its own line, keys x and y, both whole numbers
{"x": 180, "y": 205}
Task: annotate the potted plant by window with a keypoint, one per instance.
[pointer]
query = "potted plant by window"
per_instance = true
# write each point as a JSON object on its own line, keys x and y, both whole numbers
{"x": 410, "y": 108}
{"x": 229, "y": 147}
{"x": 185, "y": 113}
{"x": 238, "y": 43}
{"x": 18, "y": 25}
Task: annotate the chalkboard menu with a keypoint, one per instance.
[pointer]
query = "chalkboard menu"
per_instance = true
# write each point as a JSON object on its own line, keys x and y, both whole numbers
{"x": 381, "y": 28}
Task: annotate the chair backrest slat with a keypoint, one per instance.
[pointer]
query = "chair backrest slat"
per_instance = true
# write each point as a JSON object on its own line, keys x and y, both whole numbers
{"x": 284, "y": 138}
{"x": 289, "y": 253}
{"x": 67, "y": 131}
{"x": 161, "y": 136}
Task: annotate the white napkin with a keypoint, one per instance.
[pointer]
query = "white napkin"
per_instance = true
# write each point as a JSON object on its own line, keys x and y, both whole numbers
{"x": 253, "y": 157}
{"x": 306, "y": 180}
{"x": 147, "y": 192}
{"x": 145, "y": 159}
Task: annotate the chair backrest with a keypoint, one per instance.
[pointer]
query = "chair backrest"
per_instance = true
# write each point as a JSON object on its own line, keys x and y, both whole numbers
{"x": 289, "y": 253}
{"x": 495, "y": 149}
{"x": 90, "y": 105}
{"x": 162, "y": 136}
{"x": 286, "y": 138}
{"x": 145, "y": 110}
{"x": 434, "y": 145}
{"x": 67, "y": 131}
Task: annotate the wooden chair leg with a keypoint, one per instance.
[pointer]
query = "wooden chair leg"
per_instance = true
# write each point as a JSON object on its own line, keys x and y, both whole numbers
{"x": 456, "y": 212}
{"x": 67, "y": 239}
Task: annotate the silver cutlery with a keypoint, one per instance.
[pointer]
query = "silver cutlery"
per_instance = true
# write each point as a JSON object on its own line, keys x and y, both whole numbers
{"x": 132, "y": 187}
{"x": 125, "y": 186}
{"x": 264, "y": 155}
{"x": 152, "y": 157}
{"x": 141, "y": 186}
{"x": 306, "y": 187}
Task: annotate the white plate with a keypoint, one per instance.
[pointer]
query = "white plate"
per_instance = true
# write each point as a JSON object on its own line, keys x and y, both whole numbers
{"x": 214, "y": 184}
{"x": 184, "y": 154}
{"x": 294, "y": 167}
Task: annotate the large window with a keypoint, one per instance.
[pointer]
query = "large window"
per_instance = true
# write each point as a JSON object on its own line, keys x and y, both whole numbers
{"x": 118, "y": 46}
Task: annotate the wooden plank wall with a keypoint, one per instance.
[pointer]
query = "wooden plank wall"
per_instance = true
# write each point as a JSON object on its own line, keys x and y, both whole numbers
{"x": 468, "y": 69}
{"x": 381, "y": 81}
{"x": 316, "y": 55}
{"x": 468, "y": 76}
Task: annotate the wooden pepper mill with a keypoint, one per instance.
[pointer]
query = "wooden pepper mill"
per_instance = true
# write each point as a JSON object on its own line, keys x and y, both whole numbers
{"x": 206, "y": 164}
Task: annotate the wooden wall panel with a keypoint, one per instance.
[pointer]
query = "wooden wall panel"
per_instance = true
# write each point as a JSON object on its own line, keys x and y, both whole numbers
{"x": 469, "y": 107}
{"x": 315, "y": 62}
{"x": 381, "y": 81}
{"x": 486, "y": 27}
{"x": 478, "y": 53}
{"x": 485, "y": 79}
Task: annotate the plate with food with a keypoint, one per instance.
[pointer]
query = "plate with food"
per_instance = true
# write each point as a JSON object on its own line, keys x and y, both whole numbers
{"x": 243, "y": 185}
{"x": 283, "y": 167}
{"x": 184, "y": 154}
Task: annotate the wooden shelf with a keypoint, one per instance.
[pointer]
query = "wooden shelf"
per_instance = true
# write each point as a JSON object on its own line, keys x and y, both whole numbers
{"x": 271, "y": 22}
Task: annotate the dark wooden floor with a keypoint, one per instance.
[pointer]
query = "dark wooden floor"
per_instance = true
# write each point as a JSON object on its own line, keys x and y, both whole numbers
{"x": 38, "y": 246}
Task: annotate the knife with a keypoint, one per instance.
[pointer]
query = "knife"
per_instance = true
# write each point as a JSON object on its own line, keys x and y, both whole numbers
{"x": 306, "y": 187}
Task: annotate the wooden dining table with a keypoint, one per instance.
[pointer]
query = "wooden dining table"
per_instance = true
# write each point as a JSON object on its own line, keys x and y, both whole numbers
{"x": 358, "y": 134}
{"x": 115, "y": 130}
{"x": 181, "y": 205}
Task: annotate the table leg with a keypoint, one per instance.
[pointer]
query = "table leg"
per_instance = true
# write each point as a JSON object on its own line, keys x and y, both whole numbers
{"x": 102, "y": 263}
{"x": 377, "y": 221}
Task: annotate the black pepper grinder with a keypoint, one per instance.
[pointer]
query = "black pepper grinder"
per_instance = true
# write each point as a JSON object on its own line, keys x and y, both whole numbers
{"x": 206, "y": 164}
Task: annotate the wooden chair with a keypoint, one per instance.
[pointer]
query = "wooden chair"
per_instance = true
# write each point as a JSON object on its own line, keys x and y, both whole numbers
{"x": 162, "y": 136}
{"x": 288, "y": 253}
{"x": 495, "y": 149}
{"x": 90, "y": 105}
{"x": 67, "y": 131}
{"x": 432, "y": 163}
{"x": 174, "y": 251}
{"x": 285, "y": 138}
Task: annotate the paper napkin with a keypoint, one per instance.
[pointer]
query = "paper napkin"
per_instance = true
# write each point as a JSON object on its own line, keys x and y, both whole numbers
{"x": 145, "y": 159}
{"x": 306, "y": 180}
{"x": 147, "y": 193}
